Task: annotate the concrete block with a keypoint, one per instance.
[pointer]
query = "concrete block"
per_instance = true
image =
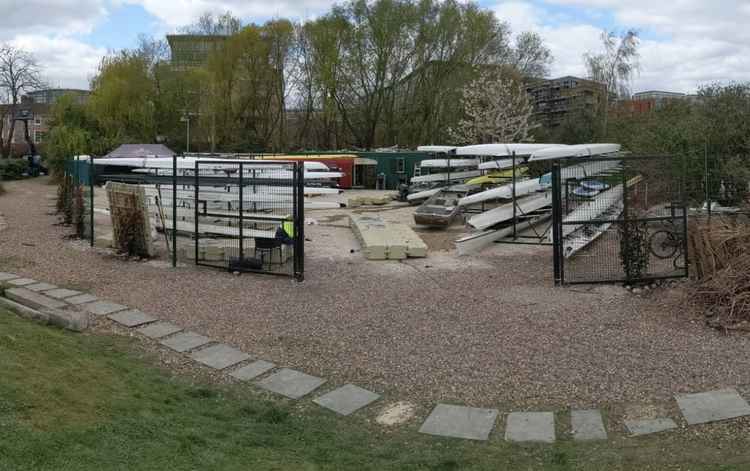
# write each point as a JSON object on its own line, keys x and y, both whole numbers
{"x": 39, "y": 287}
{"x": 32, "y": 299}
{"x": 102, "y": 308}
{"x": 587, "y": 425}
{"x": 530, "y": 427}
{"x": 62, "y": 293}
{"x": 219, "y": 356}
{"x": 290, "y": 383}
{"x": 8, "y": 276}
{"x": 347, "y": 399}
{"x": 159, "y": 330}
{"x": 72, "y": 320}
{"x": 639, "y": 427}
{"x": 185, "y": 341}
{"x": 469, "y": 423}
{"x": 712, "y": 406}
{"x": 20, "y": 282}
{"x": 81, "y": 299}
{"x": 253, "y": 370}
{"x": 131, "y": 318}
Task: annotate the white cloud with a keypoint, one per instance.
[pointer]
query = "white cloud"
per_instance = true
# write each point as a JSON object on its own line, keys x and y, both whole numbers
{"x": 177, "y": 13}
{"x": 65, "y": 62}
{"x": 49, "y": 16}
{"x": 686, "y": 42}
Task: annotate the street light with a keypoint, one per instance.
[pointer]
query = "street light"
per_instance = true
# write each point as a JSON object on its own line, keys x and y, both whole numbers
{"x": 186, "y": 117}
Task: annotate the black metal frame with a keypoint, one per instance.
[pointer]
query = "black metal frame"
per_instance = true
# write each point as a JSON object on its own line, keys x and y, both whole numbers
{"x": 625, "y": 219}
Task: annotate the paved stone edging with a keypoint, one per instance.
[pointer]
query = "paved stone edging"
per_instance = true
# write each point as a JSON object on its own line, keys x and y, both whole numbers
{"x": 453, "y": 421}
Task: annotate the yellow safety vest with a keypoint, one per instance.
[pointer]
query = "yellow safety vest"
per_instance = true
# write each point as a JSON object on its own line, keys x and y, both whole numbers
{"x": 288, "y": 228}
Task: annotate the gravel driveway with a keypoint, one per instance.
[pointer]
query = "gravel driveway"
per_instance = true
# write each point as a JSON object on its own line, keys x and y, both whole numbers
{"x": 486, "y": 331}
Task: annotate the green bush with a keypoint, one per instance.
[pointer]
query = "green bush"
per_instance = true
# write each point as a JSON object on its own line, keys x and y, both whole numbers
{"x": 13, "y": 169}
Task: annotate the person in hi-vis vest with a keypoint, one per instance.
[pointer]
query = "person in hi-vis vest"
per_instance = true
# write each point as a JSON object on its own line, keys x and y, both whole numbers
{"x": 285, "y": 232}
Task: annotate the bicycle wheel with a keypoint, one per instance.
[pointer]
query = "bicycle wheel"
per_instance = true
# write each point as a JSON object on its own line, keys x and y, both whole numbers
{"x": 663, "y": 244}
{"x": 679, "y": 261}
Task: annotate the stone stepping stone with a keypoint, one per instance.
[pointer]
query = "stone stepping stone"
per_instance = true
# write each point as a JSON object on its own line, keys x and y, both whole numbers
{"x": 524, "y": 427}
{"x": 102, "y": 308}
{"x": 587, "y": 425}
{"x": 22, "y": 282}
{"x": 185, "y": 341}
{"x": 648, "y": 426}
{"x": 39, "y": 287}
{"x": 219, "y": 356}
{"x": 451, "y": 421}
{"x": 712, "y": 406}
{"x": 81, "y": 299}
{"x": 347, "y": 399}
{"x": 62, "y": 293}
{"x": 131, "y": 318}
{"x": 7, "y": 276}
{"x": 33, "y": 300}
{"x": 291, "y": 383}
{"x": 253, "y": 370}
{"x": 159, "y": 330}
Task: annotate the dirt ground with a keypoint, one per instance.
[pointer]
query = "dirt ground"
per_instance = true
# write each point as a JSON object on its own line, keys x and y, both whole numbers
{"x": 484, "y": 330}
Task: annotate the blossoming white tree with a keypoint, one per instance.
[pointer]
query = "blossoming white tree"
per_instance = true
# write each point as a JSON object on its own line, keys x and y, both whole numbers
{"x": 496, "y": 109}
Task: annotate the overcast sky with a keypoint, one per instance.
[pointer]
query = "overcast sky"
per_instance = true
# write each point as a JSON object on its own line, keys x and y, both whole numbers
{"x": 685, "y": 43}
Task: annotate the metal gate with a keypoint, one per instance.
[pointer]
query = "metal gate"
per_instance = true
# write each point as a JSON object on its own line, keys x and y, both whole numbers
{"x": 248, "y": 216}
{"x": 619, "y": 219}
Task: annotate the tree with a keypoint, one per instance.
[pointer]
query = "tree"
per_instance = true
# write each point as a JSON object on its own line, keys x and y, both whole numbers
{"x": 209, "y": 24}
{"x": 19, "y": 73}
{"x": 496, "y": 109}
{"x": 530, "y": 56}
{"x": 614, "y": 67}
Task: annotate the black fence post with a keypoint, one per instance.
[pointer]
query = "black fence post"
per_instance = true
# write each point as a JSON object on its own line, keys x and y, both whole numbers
{"x": 196, "y": 184}
{"x": 626, "y": 262}
{"x": 515, "y": 203}
{"x": 299, "y": 223}
{"x": 242, "y": 221}
{"x": 92, "y": 177}
{"x": 557, "y": 225}
{"x": 684, "y": 204}
{"x": 174, "y": 211}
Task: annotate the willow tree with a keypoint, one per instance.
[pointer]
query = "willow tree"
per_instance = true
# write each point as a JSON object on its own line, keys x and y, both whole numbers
{"x": 496, "y": 108}
{"x": 615, "y": 67}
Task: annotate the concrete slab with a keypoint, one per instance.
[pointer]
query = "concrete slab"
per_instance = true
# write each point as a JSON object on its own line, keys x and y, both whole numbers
{"x": 649, "y": 426}
{"x": 131, "y": 318}
{"x": 347, "y": 399}
{"x": 159, "y": 330}
{"x": 451, "y": 421}
{"x": 102, "y": 308}
{"x": 21, "y": 282}
{"x": 587, "y": 425}
{"x": 711, "y": 406}
{"x": 39, "y": 287}
{"x": 291, "y": 383}
{"x": 530, "y": 427}
{"x": 81, "y": 299}
{"x": 32, "y": 299}
{"x": 219, "y": 356}
{"x": 8, "y": 276}
{"x": 62, "y": 293}
{"x": 185, "y": 341}
{"x": 253, "y": 370}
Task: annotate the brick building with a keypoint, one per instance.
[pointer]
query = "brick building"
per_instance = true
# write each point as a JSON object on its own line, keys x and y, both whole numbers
{"x": 554, "y": 99}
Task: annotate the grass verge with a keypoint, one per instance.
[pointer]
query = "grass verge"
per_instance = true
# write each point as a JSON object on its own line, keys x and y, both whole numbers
{"x": 93, "y": 402}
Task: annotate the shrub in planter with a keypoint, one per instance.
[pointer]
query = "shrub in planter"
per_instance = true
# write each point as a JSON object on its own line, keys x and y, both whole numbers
{"x": 635, "y": 252}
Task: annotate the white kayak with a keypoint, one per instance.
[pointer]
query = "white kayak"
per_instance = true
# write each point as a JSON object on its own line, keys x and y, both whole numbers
{"x": 249, "y": 189}
{"x": 476, "y": 242}
{"x": 422, "y": 195}
{"x": 436, "y": 149}
{"x": 446, "y": 177}
{"x": 504, "y": 150}
{"x": 188, "y": 163}
{"x": 582, "y": 150}
{"x": 591, "y": 210}
{"x": 504, "y": 213}
{"x": 523, "y": 187}
{"x": 498, "y": 164}
{"x": 583, "y": 170}
{"x": 449, "y": 163}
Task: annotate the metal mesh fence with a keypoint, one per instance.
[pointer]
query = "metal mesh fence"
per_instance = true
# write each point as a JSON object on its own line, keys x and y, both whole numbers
{"x": 620, "y": 219}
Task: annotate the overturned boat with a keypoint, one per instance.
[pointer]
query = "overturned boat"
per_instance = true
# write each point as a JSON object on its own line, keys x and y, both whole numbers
{"x": 442, "y": 208}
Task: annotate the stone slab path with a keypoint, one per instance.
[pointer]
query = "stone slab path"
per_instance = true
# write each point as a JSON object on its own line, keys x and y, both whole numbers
{"x": 219, "y": 356}
{"x": 530, "y": 427}
{"x": 131, "y": 318}
{"x": 102, "y": 308}
{"x": 587, "y": 425}
{"x": 159, "y": 330}
{"x": 62, "y": 293}
{"x": 711, "y": 406}
{"x": 253, "y": 370}
{"x": 347, "y": 399}
{"x": 39, "y": 287}
{"x": 185, "y": 341}
{"x": 33, "y": 299}
{"x": 648, "y": 426}
{"x": 7, "y": 276}
{"x": 460, "y": 422}
{"x": 21, "y": 282}
{"x": 81, "y": 299}
{"x": 291, "y": 383}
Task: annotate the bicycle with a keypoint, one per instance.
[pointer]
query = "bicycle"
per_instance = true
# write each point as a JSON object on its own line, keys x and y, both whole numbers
{"x": 669, "y": 243}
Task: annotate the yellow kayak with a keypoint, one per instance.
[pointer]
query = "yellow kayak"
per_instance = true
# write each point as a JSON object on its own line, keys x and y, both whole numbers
{"x": 496, "y": 177}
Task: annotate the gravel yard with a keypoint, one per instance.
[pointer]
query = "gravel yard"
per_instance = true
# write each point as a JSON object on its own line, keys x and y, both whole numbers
{"x": 487, "y": 330}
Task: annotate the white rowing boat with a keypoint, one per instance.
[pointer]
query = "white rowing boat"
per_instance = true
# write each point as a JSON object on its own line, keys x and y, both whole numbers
{"x": 446, "y": 177}
{"x": 498, "y": 164}
{"x": 504, "y": 213}
{"x": 449, "y": 163}
{"x": 476, "y": 242}
{"x": 523, "y": 187}
{"x": 582, "y": 150}
{"x": 250, "y": 189}
{"x": 423, "y": 195}
{"x": 436, "y": 149}
{"x": 504, "y": 150}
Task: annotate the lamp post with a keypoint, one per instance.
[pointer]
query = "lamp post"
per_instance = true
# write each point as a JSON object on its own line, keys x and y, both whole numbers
{"x": 186, "y": 117}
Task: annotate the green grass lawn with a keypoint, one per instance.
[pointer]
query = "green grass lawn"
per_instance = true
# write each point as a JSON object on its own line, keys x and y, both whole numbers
{"x": 93, "y": 402}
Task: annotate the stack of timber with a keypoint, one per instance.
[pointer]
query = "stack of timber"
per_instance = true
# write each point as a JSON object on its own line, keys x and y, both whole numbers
{"x": 385, "y": 240}
{"x": 358, "y": 201}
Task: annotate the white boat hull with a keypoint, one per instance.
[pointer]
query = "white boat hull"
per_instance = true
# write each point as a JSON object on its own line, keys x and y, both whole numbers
{"x": 505, "y": 213}
{"x": 476, "y": 242}
{"x": 446, "y": 177}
